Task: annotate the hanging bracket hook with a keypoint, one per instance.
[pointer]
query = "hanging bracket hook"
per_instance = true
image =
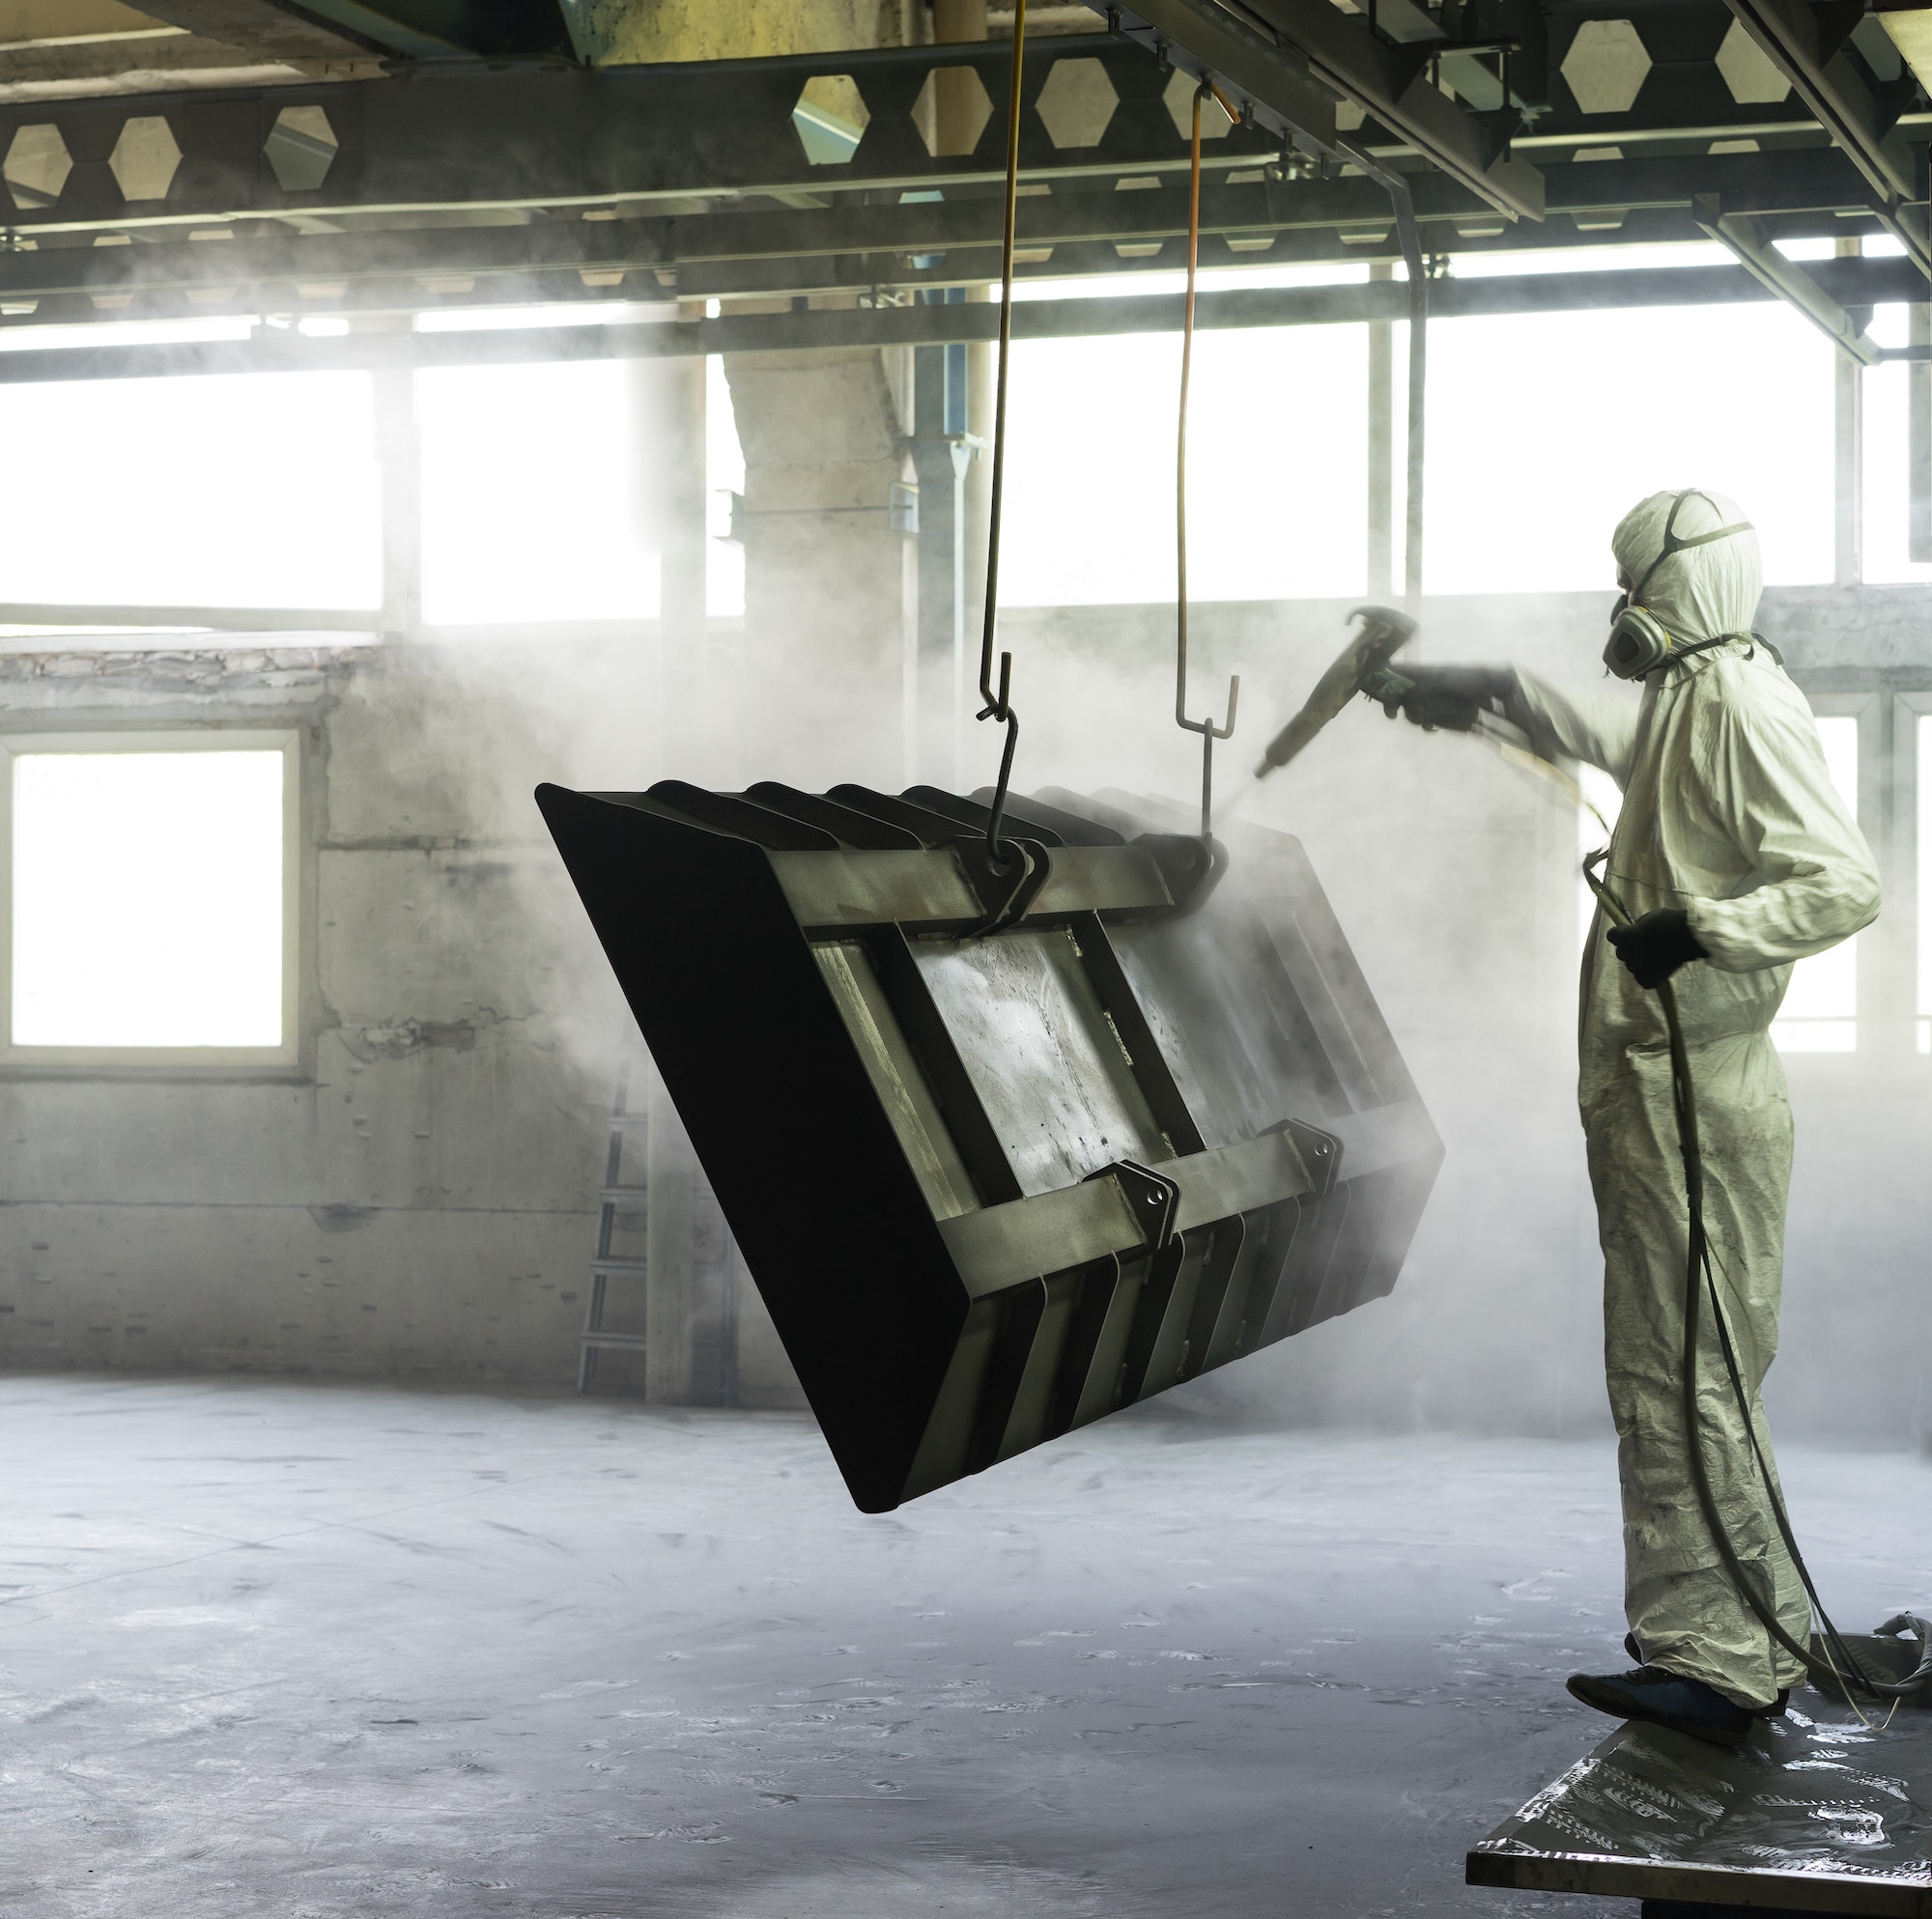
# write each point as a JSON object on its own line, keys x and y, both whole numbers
{"x": 1205, "y": 727}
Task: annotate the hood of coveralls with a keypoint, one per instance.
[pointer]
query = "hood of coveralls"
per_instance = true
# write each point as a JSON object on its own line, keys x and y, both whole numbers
{"x": 1702, "y": 591}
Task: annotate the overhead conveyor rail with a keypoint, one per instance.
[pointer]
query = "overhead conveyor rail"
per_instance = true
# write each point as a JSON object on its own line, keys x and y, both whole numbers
{"x": 994, "y": 1185}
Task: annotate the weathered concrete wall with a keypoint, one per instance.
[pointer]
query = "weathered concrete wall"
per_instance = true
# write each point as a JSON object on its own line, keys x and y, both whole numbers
{"x": 617, "y": 31}
{"x": 828, "y": 583}
{"x": 421, "y": 1200}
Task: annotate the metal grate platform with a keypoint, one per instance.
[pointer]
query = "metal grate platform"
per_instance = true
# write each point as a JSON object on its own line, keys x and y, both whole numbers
{"x": 1818, "y": 1814}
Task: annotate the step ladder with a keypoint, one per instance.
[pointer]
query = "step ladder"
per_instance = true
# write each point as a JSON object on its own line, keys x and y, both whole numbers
{"x": 630, "y": 1137}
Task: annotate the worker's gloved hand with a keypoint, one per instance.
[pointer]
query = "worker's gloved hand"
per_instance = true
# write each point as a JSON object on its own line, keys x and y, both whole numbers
{"x": 1654, "y": 945}
{"x": 1449, "y": 698}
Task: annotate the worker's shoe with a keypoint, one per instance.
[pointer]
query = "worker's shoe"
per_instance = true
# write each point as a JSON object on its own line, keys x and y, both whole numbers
{"x": 1774, "y": 1710}
{"x": 1662, "y": 1699}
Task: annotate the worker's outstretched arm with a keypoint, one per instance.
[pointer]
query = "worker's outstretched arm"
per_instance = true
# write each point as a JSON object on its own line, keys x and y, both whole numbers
{"x": 1812, "y": 879}
{"x": 1595, "y": 724}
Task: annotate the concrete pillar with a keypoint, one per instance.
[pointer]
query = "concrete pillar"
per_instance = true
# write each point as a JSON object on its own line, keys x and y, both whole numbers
{"x": 398, "y": 445}
{"x": 1848, "y": 414}
{"x": 1918, "y": 437}
{"x": 1381, "y": 584}
{"x": 617, "y": 31}
{"x": 828, "y": 580}
{"x": 669, "y": 416}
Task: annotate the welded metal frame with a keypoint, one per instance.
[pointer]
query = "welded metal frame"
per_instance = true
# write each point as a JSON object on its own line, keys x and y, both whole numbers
{"x": 948, "y": 1297}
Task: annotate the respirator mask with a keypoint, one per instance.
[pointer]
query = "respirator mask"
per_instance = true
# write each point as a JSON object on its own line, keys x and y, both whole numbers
{"x": 1639, "y": 642}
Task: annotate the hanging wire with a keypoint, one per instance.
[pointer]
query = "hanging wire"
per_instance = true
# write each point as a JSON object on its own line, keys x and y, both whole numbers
{"x": 1206, "y": 727}
{"x": 997, "y": 703}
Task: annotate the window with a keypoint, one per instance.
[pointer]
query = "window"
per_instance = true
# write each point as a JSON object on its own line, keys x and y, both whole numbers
{"x": 228, "y": 489}
{"x": 150, "y": 899}
{"x": 1277, "y": 467}
{"x": 530, "y": 508}
{"x": 1628, "y": 402}
{"x": 1820, "y": 1013}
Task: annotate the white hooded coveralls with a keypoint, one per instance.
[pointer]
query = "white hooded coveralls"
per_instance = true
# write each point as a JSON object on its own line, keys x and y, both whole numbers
{"x": 1729, "y": 813}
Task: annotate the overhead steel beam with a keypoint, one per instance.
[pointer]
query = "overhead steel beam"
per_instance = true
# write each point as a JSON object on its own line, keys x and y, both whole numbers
{"x": 1389, "y": 83}
{"x": 861, "y": 248}
{"x": 1854, "y": 282}
{"x": 482, "y": 138}
{"x": 1747, "y": 238}
{"x": 1810, "y": 51}
{"x": 413, "y": 29}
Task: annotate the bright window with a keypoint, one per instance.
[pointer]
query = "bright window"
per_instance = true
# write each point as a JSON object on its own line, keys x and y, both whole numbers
{"x": 1887, "y": 405}
{"x": 152, "y": 898}
{"x": 1524, "y": 498}
{"x": 1821, "y": 1006}
{"x": 1277, "y": 467}
{"x": 235, "y": 489}
{"x": 531, "y": 507}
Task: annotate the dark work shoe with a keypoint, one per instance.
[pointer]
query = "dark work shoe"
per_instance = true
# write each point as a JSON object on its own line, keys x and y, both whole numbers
{"x": 1774, "y": 1710}
{"x": 1662, "y": 1699}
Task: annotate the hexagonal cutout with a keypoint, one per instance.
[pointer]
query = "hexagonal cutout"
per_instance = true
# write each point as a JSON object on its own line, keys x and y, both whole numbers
{"x": 1077, "y": 102}
{"x": 831, "y": 116}
{"x": 1605, "y": 66}
{"x": 301, "y": 148}
{"x": 37, "y": 166}
{"x": 951, "y": 111}
{"x": 145, "y": 156}
{"x": 1179, "y": 99}
{"x": 1752, "y": 76}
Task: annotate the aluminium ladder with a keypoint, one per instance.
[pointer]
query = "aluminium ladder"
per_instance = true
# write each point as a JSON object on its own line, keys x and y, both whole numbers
{"x": 629, "y": 1133}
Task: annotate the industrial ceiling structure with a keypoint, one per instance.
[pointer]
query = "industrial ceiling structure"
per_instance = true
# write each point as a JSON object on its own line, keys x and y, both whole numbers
{"x": 377, "y": 160}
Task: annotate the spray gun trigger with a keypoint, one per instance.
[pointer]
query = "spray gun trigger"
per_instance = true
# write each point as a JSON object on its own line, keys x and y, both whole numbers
{"x": 1388, "y": 688}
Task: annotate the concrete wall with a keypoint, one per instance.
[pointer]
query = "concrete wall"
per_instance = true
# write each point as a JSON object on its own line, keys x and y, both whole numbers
{"x": 1455, "y": 877}
{"x": 420, "y": 1201}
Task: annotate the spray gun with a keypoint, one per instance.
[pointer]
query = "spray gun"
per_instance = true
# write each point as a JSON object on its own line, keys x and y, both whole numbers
{"x": 1363, "y": 668}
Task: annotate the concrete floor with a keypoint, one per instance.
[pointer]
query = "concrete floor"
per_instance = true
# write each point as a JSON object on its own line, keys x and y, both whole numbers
{"x": 304, "y": 1651}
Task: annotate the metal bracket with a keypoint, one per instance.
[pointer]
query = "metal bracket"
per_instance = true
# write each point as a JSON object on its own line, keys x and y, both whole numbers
{"x": 1749, "y": 245}
{"x": 1320, "y": 1153}
{"x": 1191, "y": 865}
{"x": 1152, "y": 1200}
{"x": 1007, "y": 892}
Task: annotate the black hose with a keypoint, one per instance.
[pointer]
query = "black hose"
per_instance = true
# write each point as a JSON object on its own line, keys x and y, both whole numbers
{"x": 1841, "y": 1670}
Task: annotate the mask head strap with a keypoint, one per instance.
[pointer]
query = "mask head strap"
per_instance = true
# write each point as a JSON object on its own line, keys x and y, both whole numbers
{"x": 1673, "y": 545}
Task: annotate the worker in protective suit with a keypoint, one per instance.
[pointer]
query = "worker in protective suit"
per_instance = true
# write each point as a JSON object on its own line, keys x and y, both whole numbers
{"x": 1735, "y": 856}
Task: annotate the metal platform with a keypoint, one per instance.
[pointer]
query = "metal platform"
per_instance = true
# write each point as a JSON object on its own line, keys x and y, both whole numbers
{"x": 1818, "y": 1814}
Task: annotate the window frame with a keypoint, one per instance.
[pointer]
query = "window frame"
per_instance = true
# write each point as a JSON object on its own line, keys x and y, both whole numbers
{"x": 287, "y": 1061}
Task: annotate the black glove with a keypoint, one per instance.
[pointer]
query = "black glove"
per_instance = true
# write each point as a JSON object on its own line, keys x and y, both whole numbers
{"x": 1445, "y": 697}
{"x": 1654, "y": 945}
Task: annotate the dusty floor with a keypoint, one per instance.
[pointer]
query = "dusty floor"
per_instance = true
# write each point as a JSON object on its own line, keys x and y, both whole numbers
{"x": 280, "y": 1651}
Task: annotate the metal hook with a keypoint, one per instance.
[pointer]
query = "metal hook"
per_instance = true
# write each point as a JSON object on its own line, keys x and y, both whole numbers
{"x": 997, "y": 705}
{"x": 1206, "y": 727}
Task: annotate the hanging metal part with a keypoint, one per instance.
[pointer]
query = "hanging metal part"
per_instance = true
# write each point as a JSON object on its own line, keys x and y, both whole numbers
{"x": 1205, "y": 727}
{"x": 993, "y": 1189}
{"x": 1812, "y": 56}
{"x": 998, "y": 704}
{"x": 1746, "y": 239}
